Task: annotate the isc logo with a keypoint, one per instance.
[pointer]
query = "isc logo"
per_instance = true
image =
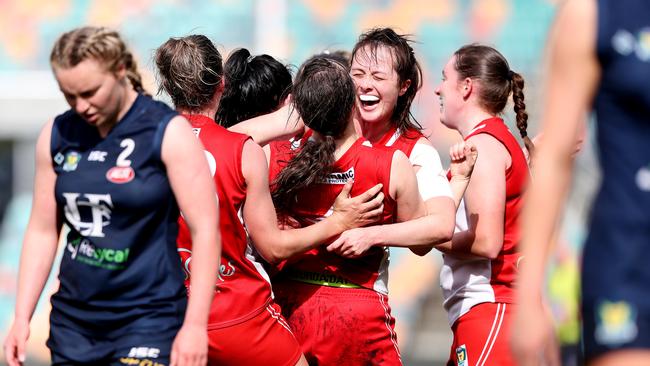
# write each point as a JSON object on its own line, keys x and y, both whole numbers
{"x": 144, "y": 352}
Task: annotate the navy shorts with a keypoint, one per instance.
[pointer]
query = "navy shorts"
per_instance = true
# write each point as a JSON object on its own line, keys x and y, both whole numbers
{"x": 615, "y": 290}
{"x": 69, "y": 347}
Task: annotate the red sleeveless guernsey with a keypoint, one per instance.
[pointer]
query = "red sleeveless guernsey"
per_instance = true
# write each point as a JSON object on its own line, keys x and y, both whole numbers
{"x": 402, "y": 141}
{"x": 243, "y": 287}
{"x": 489, "y": 280}
{"x": 367, "y": 166}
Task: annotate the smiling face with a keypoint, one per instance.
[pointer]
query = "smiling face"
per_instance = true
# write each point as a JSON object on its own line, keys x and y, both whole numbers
{"x": 450, "y": 93}
{"x": 377, "y": 84}
{"x": 96, "y": 94}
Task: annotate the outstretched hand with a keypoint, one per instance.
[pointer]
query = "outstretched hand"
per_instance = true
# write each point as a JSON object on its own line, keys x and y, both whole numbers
{"x": 362, "y": 210}
{"x": 463, "y": 157}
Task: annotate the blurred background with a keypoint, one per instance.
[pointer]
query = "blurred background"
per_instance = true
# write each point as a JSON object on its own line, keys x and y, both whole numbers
{"x": 290, "y": 30}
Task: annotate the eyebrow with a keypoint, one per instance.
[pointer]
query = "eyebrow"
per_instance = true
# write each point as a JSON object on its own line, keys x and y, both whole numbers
{"x": 85, "y": 91}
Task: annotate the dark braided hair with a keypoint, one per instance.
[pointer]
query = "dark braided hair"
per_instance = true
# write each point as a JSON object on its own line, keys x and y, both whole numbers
{"x": 324, "y": 95}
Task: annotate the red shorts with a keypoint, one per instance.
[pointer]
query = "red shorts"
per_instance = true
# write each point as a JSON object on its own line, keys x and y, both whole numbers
{"x": 339, "y": 326}
{"x": 481, "y": 336}
{"x": 265, "y": 339}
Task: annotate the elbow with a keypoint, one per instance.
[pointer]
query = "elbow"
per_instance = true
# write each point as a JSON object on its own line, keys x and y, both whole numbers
{"x": 273, "y": 254}
{"x": 448, "y": 230}
{"x": 444, "y": 230}
{"x": 487, "y": 248}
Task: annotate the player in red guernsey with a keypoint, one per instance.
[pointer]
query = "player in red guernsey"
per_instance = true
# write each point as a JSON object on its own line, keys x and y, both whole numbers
{"x": 245, "y": 326}
{"x": 324, "y": 295}
{"x": 387, "y": 76}
{"x": 480, "y": 262}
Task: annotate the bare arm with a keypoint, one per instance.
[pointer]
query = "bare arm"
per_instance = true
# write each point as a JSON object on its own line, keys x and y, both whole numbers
{"x": 573, "y": 76}
{"x": 189, "y": 177}
{"x": 572, "y": 80}
{"x": 484, "y": 203}
{"x": 404, "y": 189}
{"x": 279, "y": 125}
{"x": 414, "y": 230}
{"x": 261, "y": 220}
{"x": 39, "y": 249}
{"x": 419, "y": 234}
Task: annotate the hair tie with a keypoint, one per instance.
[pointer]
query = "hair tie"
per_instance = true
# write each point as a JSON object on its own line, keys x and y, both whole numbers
{"x": 249, "y": 59}
{"x": 511, "y": 74}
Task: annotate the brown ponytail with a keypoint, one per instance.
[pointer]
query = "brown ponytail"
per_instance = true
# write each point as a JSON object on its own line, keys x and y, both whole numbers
{"x": 132, "y": 72}
{"x": 323, "y": 95}
{"x": 312, "y": 163}
{"x": 517, "y": 82}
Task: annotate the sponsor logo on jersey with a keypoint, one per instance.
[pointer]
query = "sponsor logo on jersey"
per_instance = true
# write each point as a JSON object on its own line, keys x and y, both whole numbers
{"x": 225, "y": 270}
{"x": 643, "y": 178}
{"x": 461, "y": 355}
{"x": 615, "y": 322}
{"x": 88, "y": 213}
{"x": 643, "y": 46}
{"x": 338, "y": 177}
{"x": 120, "y": 174}
{"x": 97, "y": 156}
{"x": 71, "y": 161}
{"x": 84, "y": 251}
{"x": 626, "y": 43}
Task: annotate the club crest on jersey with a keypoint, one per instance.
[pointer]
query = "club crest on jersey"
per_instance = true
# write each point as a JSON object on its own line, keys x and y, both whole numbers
{"x": 615, "y": 322}
{"x": 120, "y": 174}
{"x": 461, "y": 355}
{"x": 71, "y": 161}
{"x": 88, "y": 213}
{"x": 197, "y": 131}
{"x": 338, "y": 177}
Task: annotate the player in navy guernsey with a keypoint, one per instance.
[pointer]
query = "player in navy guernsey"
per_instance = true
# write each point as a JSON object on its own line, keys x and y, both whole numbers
{"x": 600, "y": 59}
{"x": 111, "y": 169}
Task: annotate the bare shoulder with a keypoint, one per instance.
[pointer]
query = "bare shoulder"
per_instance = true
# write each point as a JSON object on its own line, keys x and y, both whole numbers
{"x": 493, "y": 152}
{"x": 425, "y": 141}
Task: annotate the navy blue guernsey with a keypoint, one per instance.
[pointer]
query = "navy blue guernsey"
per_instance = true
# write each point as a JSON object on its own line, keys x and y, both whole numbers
{"x": 622, "y": 108}
{"x": 615, "y": 273}
{"x": 120, "y": 273}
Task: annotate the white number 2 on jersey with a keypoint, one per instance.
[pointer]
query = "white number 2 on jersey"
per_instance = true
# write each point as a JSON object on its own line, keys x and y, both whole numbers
{"x": 128, "y": 145}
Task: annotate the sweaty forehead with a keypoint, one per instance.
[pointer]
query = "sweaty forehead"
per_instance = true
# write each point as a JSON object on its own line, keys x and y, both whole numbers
{"x": 379, "y": 58}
